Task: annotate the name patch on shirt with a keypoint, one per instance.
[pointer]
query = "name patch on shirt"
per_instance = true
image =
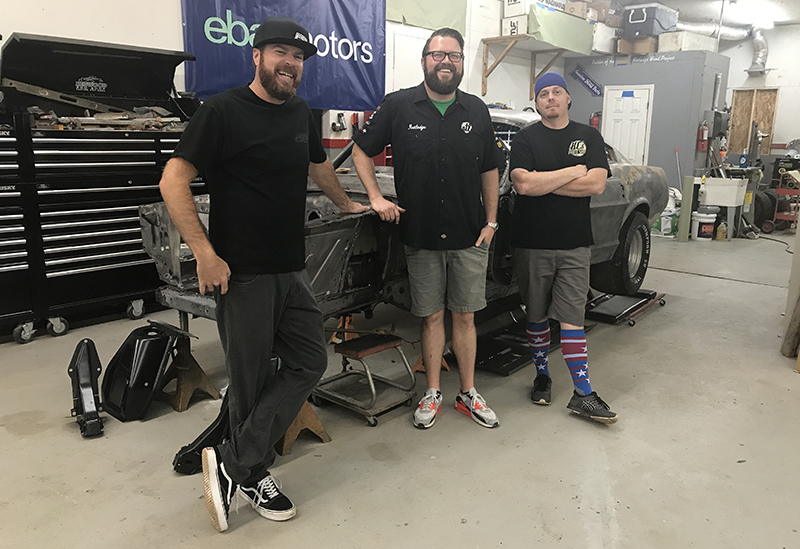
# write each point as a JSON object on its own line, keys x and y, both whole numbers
{"x": 577, "y": 148}
{"x": 418, "y": 127}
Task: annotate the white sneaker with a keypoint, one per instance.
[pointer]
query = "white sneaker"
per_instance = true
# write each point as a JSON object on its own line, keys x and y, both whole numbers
{"x": 429, "y": 406}
{"x": 473, "y": 405}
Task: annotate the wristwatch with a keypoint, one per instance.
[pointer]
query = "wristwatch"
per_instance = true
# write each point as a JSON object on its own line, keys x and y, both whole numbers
{"x": 493, "y": 225}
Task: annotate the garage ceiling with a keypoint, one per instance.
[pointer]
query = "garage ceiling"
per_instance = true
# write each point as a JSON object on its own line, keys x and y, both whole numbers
{"x": 737, "y": 13}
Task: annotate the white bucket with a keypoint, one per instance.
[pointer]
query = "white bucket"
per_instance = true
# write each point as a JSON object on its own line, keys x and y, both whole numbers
{"x": 703, "y": 226}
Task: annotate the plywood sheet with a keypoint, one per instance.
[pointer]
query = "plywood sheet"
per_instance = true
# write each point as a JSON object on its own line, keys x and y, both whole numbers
{"x": 764, "y": 108}
{"x": 741, "y": 115}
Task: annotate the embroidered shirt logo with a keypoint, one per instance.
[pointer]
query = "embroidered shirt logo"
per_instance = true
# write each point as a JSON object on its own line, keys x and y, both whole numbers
{"x": 577, "y": 148}
{"x": 301, "y": 138}
{"x": 466, "y": 127}
{"x": 418, "y": 127}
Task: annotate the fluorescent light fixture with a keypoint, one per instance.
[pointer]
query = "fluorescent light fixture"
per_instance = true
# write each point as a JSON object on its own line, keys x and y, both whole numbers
{"x": 761, "y": 13}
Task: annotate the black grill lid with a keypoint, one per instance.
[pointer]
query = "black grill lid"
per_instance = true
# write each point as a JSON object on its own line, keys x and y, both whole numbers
{"x": 90, "y": 69}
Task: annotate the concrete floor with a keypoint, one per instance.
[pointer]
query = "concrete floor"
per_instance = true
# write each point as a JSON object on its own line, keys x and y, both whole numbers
{"x": 702, "y": 455}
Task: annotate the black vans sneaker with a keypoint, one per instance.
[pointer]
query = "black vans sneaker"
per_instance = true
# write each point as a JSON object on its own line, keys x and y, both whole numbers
{"x": 540, "y": 394}
{"x": 219, "y": 488}
{"x": 592, "y": 406}
{"x": 268, "y": 500}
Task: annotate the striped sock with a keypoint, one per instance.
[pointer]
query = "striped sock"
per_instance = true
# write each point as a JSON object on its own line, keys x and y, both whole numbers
{"x": 539, "y": 342}
{"x": 573, "y": 347}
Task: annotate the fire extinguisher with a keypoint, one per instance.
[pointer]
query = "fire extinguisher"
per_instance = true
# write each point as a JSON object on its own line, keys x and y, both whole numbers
{"x": 594, "y": 121}
{"x": 702, "y": 137}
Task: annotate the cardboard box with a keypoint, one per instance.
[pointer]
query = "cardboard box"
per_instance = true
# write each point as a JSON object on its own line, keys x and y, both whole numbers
{"x": 607, "y": 8}
{"x": 582, "y": 9}
{"x": 686, "y": 41}
{"x": 513, "y": 8}
{"x": 604, "y": 38}
{"x": 637, "y": 46}
{"x": 514, "y": 25}
{"x": 559, "y": 5}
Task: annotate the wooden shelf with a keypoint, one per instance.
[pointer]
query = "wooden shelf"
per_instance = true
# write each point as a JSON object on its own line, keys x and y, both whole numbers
{"x": 523, "y": 42}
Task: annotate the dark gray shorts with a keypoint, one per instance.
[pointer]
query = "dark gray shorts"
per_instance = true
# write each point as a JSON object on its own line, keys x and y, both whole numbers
{"x": 554, "y": 283}
{"x": 455, "y": 278}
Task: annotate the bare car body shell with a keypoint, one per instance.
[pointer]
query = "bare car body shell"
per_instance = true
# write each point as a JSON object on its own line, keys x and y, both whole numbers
{"x": 357, "y": 261}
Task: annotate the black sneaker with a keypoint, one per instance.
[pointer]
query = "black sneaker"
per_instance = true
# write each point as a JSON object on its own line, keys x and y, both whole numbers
{"x": 592, "y": 406}
{"x": 267, "y": 499}
{"x": 540, "y": 394}
{"x": 219, "y": 488}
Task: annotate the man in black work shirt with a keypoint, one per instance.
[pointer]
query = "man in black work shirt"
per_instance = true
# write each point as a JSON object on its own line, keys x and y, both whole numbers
{"x": 256, "y": 146}
{"x": 446, "y": 179}
{"x": 556, "y": 166}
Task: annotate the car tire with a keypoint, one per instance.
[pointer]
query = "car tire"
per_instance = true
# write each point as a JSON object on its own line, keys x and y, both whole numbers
{"x": 624, "y": 273}
{"x": 763, "y": 209}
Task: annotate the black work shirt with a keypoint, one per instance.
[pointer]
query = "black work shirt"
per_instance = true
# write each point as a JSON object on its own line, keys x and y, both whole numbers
{"x": 551, "y": 221}
{"x": 438, "y": 161}
{"x": 255, "y": 156}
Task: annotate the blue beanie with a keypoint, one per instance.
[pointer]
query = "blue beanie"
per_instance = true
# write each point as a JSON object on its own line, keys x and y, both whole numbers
{"x": 549, "y": 79}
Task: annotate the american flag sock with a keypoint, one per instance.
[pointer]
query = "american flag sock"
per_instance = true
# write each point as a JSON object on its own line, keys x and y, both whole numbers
{"x": 539, "y": 342}
{"x": 573, "y": 347}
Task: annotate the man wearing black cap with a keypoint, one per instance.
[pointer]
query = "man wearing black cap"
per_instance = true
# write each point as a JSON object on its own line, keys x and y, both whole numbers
{"x": 256, "y": 145}
{"x": 556, "y": 166}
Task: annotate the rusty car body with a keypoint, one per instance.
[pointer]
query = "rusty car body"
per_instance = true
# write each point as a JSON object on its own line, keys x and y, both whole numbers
{"x": 356, "y": 262}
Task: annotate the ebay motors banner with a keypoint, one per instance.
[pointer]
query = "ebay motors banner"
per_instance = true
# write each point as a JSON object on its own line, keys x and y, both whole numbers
{"x": 348, "y": 72}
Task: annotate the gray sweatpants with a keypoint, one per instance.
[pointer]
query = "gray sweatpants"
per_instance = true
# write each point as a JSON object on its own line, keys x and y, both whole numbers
{"x": 259, "y": 315}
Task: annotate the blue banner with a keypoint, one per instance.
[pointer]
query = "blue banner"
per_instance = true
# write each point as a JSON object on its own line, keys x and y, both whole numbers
{"x": 580, "y": 75}
{"x": 348, "y": 72}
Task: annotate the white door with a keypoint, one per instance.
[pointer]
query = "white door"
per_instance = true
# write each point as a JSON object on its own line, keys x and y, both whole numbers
{"x": 626, "y": 120}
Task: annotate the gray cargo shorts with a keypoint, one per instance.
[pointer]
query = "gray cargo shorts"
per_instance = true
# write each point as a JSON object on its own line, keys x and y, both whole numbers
{"x": 553, "y": 283}
{"x": 452, "y": 278}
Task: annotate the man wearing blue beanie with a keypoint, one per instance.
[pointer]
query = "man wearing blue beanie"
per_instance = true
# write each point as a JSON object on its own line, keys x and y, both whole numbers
{"x": 556, "y": 166}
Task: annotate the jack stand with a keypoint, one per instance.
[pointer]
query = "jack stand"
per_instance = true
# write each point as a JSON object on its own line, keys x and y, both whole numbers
{"x": 190, "y": 376}
{"x": 347, "y": 333}
{"x": 420, "y": 367}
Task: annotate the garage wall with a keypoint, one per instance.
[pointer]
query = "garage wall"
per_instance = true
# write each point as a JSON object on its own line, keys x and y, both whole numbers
{"x": 157, "y": 24}
{"x": 783, "y": 52}
{"x": 684, "y": 85}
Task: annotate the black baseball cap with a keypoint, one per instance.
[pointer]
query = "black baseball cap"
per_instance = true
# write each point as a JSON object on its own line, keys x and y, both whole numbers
{"x": 282, "y": 30}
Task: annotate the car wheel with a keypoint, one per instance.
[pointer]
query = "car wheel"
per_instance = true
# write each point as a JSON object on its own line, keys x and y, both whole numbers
{"x": 762, "y": 208}
{"x": 624, "y": 273}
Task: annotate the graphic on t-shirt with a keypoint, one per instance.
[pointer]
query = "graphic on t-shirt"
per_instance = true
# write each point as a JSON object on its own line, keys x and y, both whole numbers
{"x": 301, "y": 138}
{"x": 577, "y": 148}
{"x": 466, "y": 127}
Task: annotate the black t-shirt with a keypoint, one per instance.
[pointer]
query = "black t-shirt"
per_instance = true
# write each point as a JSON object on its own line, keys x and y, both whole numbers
{"x": 551, "y": 221}
{"x": 438, "y": 161}
{"x": 255, "y": 156}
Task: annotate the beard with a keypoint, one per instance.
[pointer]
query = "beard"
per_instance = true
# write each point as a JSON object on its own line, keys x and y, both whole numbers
{"x": 269, "y": 80}
{"x": 436, "y": 85}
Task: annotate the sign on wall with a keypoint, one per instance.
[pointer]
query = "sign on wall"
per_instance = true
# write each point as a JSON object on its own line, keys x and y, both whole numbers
{"x": 347, "y": 73}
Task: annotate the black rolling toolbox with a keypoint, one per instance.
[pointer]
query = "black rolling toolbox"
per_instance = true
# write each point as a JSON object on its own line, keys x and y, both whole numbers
{"x": 85, "y": 131}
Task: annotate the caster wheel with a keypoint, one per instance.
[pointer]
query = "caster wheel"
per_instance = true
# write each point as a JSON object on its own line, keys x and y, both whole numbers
{"x": 409, "y": 403}
{"x": 631, "y": 323}
{"x": 57, "y": 326}
{"x": 767, "y": 226}
{"x": 316, "y": 401}
{"x": 23, "y": 333}
{"x": 372, "y": 421}
{"x": 135, "y": 309}
{"x": 662, "y": 302}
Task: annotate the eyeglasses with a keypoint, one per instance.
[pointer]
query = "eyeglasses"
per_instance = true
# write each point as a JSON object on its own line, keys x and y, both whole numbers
{"x": 454, "y": 56}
